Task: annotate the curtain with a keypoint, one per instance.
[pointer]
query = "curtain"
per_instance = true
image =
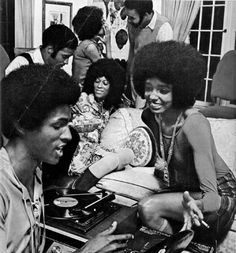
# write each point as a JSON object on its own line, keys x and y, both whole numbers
{"x": 24, "y": 23}
{"x": 181, "y": 14}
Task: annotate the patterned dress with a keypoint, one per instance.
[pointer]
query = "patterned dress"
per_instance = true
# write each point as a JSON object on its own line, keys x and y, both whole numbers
{"x": 89, "y": 119}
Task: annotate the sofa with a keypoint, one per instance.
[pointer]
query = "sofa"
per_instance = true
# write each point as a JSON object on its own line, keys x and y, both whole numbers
{"x": 137, "y": 181}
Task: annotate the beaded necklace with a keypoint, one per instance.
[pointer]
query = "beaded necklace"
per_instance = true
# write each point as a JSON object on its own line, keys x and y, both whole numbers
{"x": 161, "y": 165}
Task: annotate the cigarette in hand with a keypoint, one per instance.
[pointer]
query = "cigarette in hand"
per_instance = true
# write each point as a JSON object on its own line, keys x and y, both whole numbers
{"x": 204, "y": 224}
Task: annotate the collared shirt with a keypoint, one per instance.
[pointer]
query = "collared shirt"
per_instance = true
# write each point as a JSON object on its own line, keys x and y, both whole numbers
{"x": 20, "y": 60}
{"x": 165, "y": 32}
{"x": 19, "y": 214}
{"x": 36, "y": 56}
{"x": 159, "y": 29}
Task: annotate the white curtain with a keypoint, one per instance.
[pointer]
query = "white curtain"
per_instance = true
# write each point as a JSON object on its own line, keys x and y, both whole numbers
{"x": 181, "y": 14}
{"x": 24, "y": 23}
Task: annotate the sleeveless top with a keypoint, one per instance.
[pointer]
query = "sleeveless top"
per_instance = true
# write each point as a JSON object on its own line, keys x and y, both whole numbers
{"x": 81, "y": 61}
{"x": 144, "y": 36}
{"x": 204, "y": 172}
{"x": 182, "y": 171}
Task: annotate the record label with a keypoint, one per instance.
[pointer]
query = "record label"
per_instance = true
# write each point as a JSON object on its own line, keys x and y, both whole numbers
{"x": 65, "y": 202}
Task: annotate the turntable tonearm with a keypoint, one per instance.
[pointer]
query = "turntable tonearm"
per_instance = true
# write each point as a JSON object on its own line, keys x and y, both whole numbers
{"x": 71, "y": 209}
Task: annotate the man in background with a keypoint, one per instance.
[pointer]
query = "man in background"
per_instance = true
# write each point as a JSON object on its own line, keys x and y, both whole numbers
{"x": 144, "y": 26}
{"x": 58, "y": 44}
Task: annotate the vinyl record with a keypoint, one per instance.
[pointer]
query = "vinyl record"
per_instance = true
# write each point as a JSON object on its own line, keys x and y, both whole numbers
{"x": 65, "y": 203}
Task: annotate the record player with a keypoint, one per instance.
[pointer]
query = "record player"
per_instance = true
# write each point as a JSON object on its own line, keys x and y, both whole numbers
{"x": 72, "y": 217}
{"x": 75, "y": 211}
{"x": 76, "y": 216}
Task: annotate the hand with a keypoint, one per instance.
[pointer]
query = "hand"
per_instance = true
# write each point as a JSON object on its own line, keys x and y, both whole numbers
{"x": 107, "y": 31}
{"x": 106, "y": 241}
{"x": 192, "y": 213}
{"x": 104, "y": 34}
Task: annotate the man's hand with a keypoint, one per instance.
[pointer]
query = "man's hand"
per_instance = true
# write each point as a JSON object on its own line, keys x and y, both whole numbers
{"x": 106, "y": 241}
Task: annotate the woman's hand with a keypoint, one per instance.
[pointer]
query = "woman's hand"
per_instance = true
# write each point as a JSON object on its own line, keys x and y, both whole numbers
{"x": 104, "y": 35}
{"x": 106, "y": 241}
{"x": 107, "y": 30}
{"x": 192, "y": 212}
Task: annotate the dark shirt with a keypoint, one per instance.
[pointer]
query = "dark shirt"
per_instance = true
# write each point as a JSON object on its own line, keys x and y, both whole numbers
{"x": 195, "y": 164}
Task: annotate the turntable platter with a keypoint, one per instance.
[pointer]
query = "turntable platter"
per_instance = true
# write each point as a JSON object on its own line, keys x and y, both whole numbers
{"x": 64, "y": 203}
{"x": 72, "y": 210}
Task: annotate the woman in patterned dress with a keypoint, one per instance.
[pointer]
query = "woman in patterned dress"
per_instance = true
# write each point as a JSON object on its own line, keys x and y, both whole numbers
{"x": 101, "y": 96}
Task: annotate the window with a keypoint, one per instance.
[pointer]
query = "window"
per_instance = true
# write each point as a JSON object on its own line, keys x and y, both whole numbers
{"x": 207, "y": 36}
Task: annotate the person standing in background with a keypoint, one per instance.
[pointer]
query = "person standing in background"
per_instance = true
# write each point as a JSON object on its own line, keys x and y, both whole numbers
{"x": 144, "y": 26}
{"x": 58, "y": 44}
{"x": 88, "y": 24}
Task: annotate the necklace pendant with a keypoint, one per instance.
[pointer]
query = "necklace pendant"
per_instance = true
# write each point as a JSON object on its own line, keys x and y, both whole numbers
{"x": 161, "y": 171}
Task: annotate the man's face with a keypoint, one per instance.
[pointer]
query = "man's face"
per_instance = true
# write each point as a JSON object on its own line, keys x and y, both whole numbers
{"x": 61, "y": 57}
{"x": 46, "y": 143}
{"x": 133, "y": 17}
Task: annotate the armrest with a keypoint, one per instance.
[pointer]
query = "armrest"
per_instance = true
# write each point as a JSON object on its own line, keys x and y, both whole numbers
{"x": 224, "y": 112}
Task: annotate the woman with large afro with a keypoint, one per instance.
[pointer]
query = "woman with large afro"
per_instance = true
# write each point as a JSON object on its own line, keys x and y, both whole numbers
{"x": 169, "y": 76}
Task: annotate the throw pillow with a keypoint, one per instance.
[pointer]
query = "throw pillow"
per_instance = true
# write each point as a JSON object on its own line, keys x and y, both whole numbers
{"x": 142, "y": 142}
{"x": 119, "y": 126}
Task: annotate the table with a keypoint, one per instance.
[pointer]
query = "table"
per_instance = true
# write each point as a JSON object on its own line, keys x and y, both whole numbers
{"x": 69, "y": 240}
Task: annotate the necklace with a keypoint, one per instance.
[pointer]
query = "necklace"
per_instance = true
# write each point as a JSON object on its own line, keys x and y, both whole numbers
{"x": 161, "y": 165}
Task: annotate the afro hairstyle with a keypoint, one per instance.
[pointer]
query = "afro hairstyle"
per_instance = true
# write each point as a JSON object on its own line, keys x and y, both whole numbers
{"x": 88, "y": 22}
{"x": 174, "y": 63}
{"x": 114, "y": 73}
{"x": 30, "y": 93}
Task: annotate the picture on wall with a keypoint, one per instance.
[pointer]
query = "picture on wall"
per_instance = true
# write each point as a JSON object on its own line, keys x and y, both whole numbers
{"x": 56, "y": 13}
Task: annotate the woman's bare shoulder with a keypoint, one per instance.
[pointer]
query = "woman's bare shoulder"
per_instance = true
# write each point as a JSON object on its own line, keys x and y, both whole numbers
{"x": 195, "y": 120}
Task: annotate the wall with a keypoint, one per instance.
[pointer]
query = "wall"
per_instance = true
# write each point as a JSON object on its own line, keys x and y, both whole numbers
{"x": 38, "y": 16}
{"x": 38, "y": 12}
{"x": 76, "y": 5}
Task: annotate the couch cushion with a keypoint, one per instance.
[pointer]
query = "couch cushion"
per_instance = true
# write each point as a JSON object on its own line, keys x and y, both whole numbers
{"x": 224, "y": 112}
{"x": 229, "y": 244}
{"x": 135, "y": 183}
{"x": 224, "y": 134}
